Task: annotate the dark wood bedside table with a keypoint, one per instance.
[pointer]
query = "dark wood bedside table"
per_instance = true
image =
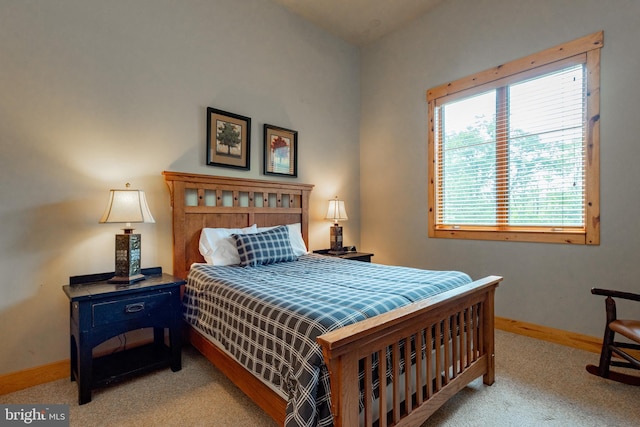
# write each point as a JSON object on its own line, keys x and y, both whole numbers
{"x": 100, "y": 311}
{"x": 353, "y": 255}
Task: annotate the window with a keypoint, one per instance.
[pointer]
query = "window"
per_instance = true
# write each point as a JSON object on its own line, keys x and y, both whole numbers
{"x": 514, "y": 151}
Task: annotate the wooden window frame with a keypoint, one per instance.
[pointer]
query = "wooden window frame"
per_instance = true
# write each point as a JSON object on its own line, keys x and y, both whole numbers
{"x": 589, "y": 234}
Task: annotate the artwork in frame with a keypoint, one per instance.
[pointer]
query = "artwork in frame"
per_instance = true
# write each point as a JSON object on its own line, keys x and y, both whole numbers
{"x": 280, "y": 151}
{"x": 228, "y": 139}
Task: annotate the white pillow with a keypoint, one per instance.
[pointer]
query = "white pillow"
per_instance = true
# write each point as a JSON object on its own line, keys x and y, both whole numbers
{"x": 217, "y": 247}
{"x": 295, "y": 236}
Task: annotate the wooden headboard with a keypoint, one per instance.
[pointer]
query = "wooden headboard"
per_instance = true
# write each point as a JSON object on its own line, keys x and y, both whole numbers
{"x": 201, "y": 201}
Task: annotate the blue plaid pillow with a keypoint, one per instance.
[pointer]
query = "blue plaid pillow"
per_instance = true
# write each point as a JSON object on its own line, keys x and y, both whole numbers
{"x": 263, "y": 248}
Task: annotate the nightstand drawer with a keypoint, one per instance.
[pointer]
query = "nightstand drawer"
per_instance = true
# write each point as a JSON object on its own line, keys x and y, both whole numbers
{"x": 133, "y": 308}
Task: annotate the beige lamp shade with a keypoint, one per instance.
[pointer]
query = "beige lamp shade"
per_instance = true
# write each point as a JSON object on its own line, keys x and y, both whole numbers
{"x": 127, "y": 206}
{"x": 336, "y": 211}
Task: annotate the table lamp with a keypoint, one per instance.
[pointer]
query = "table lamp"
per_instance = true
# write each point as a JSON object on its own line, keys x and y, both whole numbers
{"x": 127, "y": 206}
{"x": 335, "y": 213}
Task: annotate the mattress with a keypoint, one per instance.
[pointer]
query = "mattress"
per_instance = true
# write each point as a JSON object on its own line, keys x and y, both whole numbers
{"x": 268, "y": 317}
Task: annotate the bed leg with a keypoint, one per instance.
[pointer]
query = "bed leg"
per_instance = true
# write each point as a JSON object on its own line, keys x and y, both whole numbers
{"x": 343, "y": 373}
{"x": 489, "y": 337}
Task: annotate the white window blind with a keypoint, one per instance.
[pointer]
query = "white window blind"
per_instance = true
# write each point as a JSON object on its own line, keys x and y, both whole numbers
{"x": 513, "y": 155}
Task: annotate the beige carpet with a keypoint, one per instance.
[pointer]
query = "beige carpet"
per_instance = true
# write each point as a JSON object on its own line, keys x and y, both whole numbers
{"x": 537, "y": 384}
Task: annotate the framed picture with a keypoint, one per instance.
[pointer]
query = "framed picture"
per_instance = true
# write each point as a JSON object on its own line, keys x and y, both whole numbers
{"x": 228, "y": 139}
{"x": 280, "y": 151}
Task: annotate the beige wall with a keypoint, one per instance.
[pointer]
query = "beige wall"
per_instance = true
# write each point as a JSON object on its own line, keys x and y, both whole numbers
{"x": 94, "y": 94}
{"x": 544, "y": 284}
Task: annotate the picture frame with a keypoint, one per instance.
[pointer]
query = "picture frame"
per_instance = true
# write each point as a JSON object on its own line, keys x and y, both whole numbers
{"x": 228, "y": 139}
{"x": 280, "y": 151}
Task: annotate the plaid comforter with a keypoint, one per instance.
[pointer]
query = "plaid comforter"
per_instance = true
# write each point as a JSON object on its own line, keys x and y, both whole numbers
{"x": 268, "y": 317}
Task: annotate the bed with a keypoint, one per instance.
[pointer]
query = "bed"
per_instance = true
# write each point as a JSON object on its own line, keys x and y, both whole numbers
{"x": 447, "y": 335}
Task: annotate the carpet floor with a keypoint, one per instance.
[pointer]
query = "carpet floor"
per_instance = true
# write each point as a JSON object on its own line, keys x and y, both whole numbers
{"x": 537, "y": 384}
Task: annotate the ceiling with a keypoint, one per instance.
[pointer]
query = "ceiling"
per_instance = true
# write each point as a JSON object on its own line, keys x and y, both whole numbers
{"x": 359, "y": 22}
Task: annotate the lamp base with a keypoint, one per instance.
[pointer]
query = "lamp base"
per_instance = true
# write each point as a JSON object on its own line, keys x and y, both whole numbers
{"x": 335, "y": 240}
{"x": 342, "y": 252}
{"x": 126, "y": 279}
{"x": 127, "y": 259}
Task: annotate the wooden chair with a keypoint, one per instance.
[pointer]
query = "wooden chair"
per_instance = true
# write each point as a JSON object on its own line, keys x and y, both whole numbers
{"x": 630, "y": 329}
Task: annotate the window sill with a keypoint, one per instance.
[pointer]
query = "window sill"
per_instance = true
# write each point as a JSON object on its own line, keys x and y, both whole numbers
{"x": 524, "y": 235}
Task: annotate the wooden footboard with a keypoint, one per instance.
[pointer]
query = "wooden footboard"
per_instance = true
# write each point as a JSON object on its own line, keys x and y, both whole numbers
{"x": 457, "y": 325}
